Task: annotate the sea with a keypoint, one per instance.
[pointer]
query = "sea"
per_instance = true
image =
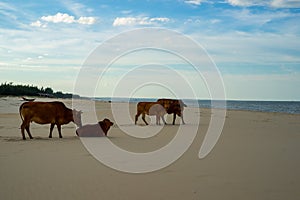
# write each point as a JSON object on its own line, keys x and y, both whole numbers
{"x": 291, "y": 107}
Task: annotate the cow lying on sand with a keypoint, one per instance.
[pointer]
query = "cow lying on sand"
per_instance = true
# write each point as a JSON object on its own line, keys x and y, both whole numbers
{"x": 95, "y": 130}
{"x": 174, "y": 106}
{"x": 150, "y": 108}
{"x": 54, "y": 113}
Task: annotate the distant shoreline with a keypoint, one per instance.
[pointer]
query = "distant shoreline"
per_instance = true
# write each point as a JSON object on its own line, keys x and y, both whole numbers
{"x": 286, "y": 107}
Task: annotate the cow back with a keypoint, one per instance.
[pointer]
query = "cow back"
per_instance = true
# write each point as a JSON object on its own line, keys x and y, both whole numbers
{"x": 46, "y": 112}
{"x": 167, "y": 103}
{"x": 150, "y": 108}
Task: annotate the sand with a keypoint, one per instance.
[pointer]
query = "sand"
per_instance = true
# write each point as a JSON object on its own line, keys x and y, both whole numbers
{"x": 256, "y": 157}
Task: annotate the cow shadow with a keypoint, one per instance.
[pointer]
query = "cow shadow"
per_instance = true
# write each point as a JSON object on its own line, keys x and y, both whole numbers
{"x": 37, "y": 138}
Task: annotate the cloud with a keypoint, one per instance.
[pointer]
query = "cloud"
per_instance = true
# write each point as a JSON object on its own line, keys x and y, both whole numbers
{"x": 245, "y": 3}
{"x": 285, "y": 3}
{"x": 269, "y": 3}
{"x": 11, "y": 16}
{"x": 76, "y": 8}
{"x": 59, "y": 17}
{"x": 160, "y": 19}
{"x": 86, "y": 20}
{"x": 193, "y": 2}
{"x": 126, "y": 12}
{"x": 246, "y": 16}
{"x": 131, "y": 21}
{"x": 38, "y": 23}
{"x": 62, "y": 18}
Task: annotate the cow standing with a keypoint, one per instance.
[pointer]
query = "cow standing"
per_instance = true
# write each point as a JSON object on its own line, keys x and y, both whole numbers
{"x": 54, "y": 113}
{"x": 174, "y": 106}
{"x": 150, "y": 108}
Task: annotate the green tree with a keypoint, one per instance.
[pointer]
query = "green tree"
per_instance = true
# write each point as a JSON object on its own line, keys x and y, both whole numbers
{"x": 48, "y": 90}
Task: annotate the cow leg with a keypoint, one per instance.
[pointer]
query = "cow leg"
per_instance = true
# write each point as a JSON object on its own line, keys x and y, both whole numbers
{"x": 59, "y": 130}
{"x": 182, "y": 119}
{"x": 143, "y": 117}
{"x": 174, "y": 118}
{"x": 28, "y": 131}
{"x": 164, "y": 120}
{"x": 51, "y": 129}
{"x": 23, "y": 125}
{"x": 136, "y": 117}
{"x": 157, "y": 120}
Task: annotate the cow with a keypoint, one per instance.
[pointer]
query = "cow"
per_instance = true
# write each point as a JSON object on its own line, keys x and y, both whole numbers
{"x": 150, "y": 108}
{"x": 95, "y": 130}
{"x": 174, "y": 106}
{"x": 54, "y": 113}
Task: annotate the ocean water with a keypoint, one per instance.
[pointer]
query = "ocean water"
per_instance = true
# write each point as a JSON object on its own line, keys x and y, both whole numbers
{"x": 11, "y": 104}
{"x": 291, "y": 107}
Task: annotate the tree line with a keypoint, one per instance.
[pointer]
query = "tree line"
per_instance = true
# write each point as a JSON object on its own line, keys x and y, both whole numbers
{"x": 10, "y": 89}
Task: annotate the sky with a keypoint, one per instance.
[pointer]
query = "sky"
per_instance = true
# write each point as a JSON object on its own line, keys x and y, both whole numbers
{"x": 254, "y": 44}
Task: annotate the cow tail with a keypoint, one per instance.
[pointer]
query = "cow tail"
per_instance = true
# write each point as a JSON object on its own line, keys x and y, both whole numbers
{"x": 20, "y": 111}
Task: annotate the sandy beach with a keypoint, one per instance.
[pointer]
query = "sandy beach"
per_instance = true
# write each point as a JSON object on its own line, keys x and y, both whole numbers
{"x": 256, "y": 157}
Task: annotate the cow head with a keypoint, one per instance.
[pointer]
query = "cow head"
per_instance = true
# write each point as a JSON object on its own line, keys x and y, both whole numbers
{"x": 105, "y": 125}
{"x": 182, "y": 104}
{"x": 77, "y": 117}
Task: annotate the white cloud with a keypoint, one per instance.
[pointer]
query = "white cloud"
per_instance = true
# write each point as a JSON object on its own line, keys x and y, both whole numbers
{"x": 6, "y": 6}
{"x": 86, "y": 20}
{"x": 160, "y": 19}
{"x": 59, "y": 17}
{"x": 269, "y": 3}
{"x": 215, "y": 21}
{"x": 252, "y": 19}
{"x": 131, "y": 21}
{"x": 38, "y": 23}
{"x": 285, "y": 3}
{"x": 77, "y": 8}
{"x": 194, "y": 2}
{"x": 62, "y": 18}
{"x": 126, "y": 12}
{"x": 259, "y": 49}
{"x": 246, "y": 2}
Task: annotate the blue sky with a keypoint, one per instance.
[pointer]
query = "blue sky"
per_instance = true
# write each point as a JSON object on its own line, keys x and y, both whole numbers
{"x": 255, "y": 44}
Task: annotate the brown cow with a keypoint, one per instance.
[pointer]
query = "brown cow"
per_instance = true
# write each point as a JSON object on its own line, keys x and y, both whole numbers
{"x": 54, "y": 113}
{"x": 150, "y": 108}
{"x": 95, "y": 130}
{"x": 174, "y": 106}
